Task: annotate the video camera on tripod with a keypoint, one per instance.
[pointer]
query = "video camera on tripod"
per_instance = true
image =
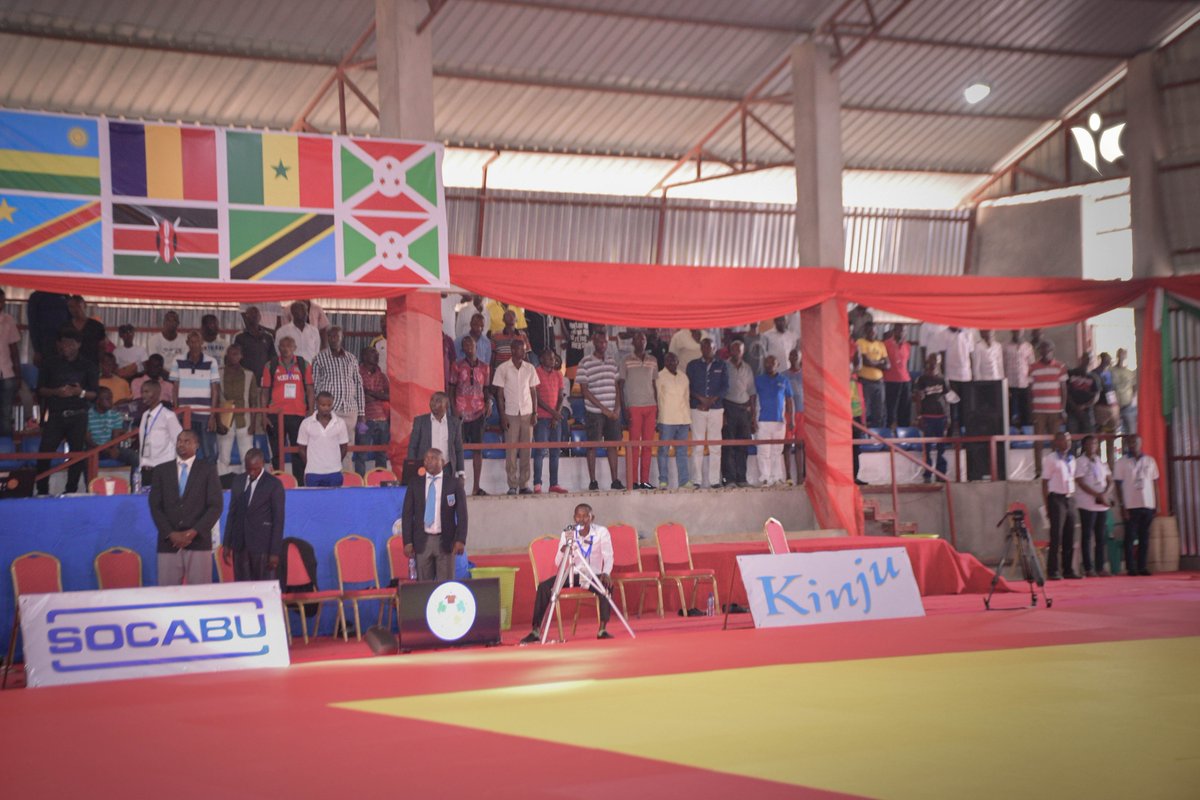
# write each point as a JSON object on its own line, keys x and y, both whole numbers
{"x": 1019, "y": 545}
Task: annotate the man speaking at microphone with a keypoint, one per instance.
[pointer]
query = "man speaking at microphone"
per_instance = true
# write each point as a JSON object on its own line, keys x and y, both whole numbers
{"x": 595, "y": 545}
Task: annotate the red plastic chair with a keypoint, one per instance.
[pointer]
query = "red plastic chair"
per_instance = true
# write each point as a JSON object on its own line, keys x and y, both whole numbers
{"x": 224, "y": 571}
{"x": 675, "y": 563}
{"x": 541, "y": 558}
{"x": 286, "y": 478}
{"x": 355, "y": 557}
{"x": 100, "y": 485}
{"x": 776, "y": 537}
{"x": 351, "y": 479}
{"x": 32, "y": 573}
{"x": 118, "y": 568}
{"x": 379, "y": 475}
{"x": 297, "y": 575}
{"x": 627, "y": 567}
{"x": 397, "y": 561}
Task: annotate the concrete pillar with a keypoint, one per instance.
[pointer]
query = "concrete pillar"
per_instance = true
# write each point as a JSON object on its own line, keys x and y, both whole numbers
{"x": 414, "y": 322}
{"x": 1145, "y": 146}
{"x": 823, "y": 328}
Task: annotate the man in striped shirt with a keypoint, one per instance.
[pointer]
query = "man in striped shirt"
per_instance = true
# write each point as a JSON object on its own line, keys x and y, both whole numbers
{"x": 1048, "y": 378}
{"x": 198, "y": 383}
{"x": 597, "y": 378}
{"x": 336, "y": 371}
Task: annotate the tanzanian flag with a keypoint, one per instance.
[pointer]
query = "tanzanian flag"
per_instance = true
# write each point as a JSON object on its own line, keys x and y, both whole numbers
{"x": 283, "y": 170}
{"x": 49, "y": 153}
{"x": 165, "y": 162}
{"x": 281, "y": 246}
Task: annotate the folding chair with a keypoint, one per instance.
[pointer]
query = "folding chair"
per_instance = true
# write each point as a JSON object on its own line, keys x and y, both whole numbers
{"x": 776, "y": 537}
{"x": 224, "y": 571}
{"x": 32, "y": 573}
{"x": 110, "y": 485}
{"x": 627, "y": 567}
{"x": 297, "y": 575}
{"x": 541, "y": 558}
{"x": 380, "y": 475}
{"x": 355, "y": 557}
{"x": 675, "y": 563}
{"x": 118, "y": 568}
{"x": 351, "y": 480}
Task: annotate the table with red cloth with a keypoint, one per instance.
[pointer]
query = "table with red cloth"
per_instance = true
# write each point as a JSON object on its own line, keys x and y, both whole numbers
{"x": 938, "y": 568}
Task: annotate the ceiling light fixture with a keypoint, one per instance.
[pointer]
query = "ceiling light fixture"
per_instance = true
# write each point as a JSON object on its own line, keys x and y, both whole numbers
{"x": 976, "y": 92}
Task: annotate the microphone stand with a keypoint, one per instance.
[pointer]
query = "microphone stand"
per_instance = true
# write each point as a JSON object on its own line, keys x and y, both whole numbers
{"x": 573, "y": 557}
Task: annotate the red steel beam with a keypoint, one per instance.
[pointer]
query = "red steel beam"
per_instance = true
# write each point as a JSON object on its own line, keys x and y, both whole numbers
{"x": 735, "y": 173}
{"x": 917, "y": 112}
{"x": 582, "y": 86}
{"x": 353, "y": 87}
{"x": 338, "y": 71}
{"x": 771, "y": 131}
{"x": 872, "y": 34}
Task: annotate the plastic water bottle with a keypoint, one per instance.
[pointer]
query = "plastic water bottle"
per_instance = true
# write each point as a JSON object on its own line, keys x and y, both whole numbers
{"x": 137, "y": 480}
{"x": 412, "y": 569}
{"x": 711, "y": 611}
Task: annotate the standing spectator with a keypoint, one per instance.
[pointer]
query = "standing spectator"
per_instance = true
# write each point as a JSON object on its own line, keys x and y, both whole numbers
{"x": 256, "y": 343}
{"x": 1125, "y": 385}
{"x": 449, "y": 356}
{"x": 155, "y": 370}
{"x": 637, "y": 378}
{"x": 10, "y": 367}
{"x": 376, "y": 412}
{"x": 168, "y": 342}
{"x": 254, "y": 525}
{"x": 686, "y": 345}
{"x": 335, "y": 371}
{"x": 185, "y": 502}
{"x": 933, "y": 409}
{"x": 755, "y": 349}
{"x": 795, "y": 376}
{"x": 870, "y": 375}
{"x": 708, "y": 380}
{"x": 118, "y": 386}
{"x": 857, "y": 408}
{"x": 779, "y": 341}
{"x": 957, "y": 363}
{"x": 313, "y": 315}
{"x": 465, "y": 312}
{"x": 129, "y": 355}
{"x": 1018, "y": 358}
{"x": 1083, "y": 392}
{"x": 1058, "y": 493}
{"x": 597, "y": 378}
{"x": 1094, "y": 482}
{"x": 987, "y": 360}
{"x": 483, "y": 345}
{"x": 549, "y": 420}
{"x": 239, "y": 389}
{"x": 503, "y": 339}
{"x": 323, "y": 441}
{"x": 306, "y": 336}
{"x": 1108, "y": 414}
{"x": 287, "y": 385}
{"x": 897, "y": 382}
{"x": 92, "y": 336}
{"x": 433, "y": 520}
{"x": 674, "y": 420}
{"x": 472, "y": 400}
{"x": 1136, "y": 474}
{"x": 379, "y": 343}
{"x": 198, "y": 383}
{"x": 158, "y": 430}
{"x": 741, "y": 416}
{"x": 774, "y": 393}
{"x": 439, "y": 430}
{"x": 577, "y": 335}
{"x": 67, "y": 383}
{"x": 46, "y": 313}
{"x": 1047, "y": 378}
{"x": 498, "y": 319}
{"x": 860, "y": 317}
{"x": 656, "y": 346}
{"x": 105, "y": 422}
{"x": 215, "y": 344}
{"x": 517, "y": 381}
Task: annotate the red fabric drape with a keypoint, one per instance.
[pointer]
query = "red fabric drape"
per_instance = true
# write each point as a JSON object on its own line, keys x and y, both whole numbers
{"x": 1152, "y": 426}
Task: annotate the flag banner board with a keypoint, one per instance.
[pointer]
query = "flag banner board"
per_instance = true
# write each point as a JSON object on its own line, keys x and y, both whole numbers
{"x": 84, "y": 637}
{"x": 102, "y": 198}
{"x": 830, "y": 586}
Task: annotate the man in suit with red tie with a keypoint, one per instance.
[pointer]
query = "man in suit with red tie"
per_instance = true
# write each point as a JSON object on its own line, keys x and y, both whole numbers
{"x": 254, "y": 526}
{"x": 434, "y": 519}
{"x": 185, "y": 502}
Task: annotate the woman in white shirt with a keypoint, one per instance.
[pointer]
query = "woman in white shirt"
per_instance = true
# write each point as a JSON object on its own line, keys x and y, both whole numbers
{"x": 1094, "y": 480}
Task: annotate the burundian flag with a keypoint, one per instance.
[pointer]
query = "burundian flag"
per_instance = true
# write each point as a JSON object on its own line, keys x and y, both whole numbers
{"x": 49, "y": 153}
{"x": 282, "y": 170}
{"x": 388, "y": 176}
{"x": 167, "y": 162}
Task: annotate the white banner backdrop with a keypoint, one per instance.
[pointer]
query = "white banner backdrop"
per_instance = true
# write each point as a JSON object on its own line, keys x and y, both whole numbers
{"x": 830, "y": 586}
{"x": 83, "y": 637}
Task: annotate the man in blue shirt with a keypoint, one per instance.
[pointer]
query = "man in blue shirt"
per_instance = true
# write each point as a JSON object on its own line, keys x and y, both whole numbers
{"x": 708, "y": 377}
{"x": 774, "y": 410}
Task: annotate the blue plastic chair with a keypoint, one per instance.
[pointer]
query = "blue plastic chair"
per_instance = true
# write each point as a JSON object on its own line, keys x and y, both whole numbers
{"x": 1024, "y": 430}
{"x": 909, "y": 433}
{"x": 872, "y": 446}
{"x": 492, "y": 438}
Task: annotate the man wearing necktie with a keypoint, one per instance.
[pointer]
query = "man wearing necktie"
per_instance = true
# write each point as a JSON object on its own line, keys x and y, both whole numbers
{"x": 254, "y": 525}
{"x": 434, "y": 519}
{"x": 185, "y": 502}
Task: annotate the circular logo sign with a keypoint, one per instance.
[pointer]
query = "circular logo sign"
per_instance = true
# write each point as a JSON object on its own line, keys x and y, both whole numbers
{"x": 450, "y": 612}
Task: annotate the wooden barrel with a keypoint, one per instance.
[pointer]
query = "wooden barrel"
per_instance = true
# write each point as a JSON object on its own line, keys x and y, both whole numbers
{"x": 1164, "y": 545}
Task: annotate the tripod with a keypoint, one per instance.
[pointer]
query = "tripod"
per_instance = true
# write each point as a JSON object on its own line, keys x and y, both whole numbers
{"x": 574, "y": 558}
{"x": 1019, "y": 545}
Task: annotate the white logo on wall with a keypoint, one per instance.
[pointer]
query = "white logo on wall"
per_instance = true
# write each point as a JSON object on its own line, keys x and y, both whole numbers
{"x": 1109, "y": 147}
{"x": 450, "y": 611}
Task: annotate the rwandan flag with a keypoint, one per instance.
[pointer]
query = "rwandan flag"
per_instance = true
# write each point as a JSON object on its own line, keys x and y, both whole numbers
{"x": 48, "y": 153}
{"x": 281, "y": 170}
{"x": 166, "y": 162}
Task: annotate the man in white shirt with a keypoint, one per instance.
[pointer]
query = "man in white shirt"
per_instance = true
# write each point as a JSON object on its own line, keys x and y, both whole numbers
{"x": 434, "y": 519}
{"x": 305, "y": 334}
{"x": 517, "y": 381}
{"x": 157, "y": 430}
{"x": 129, "y": 355}
{"x": 1094, "y": 481}
{"x": 323, "y": 440}
{"x": 595, "y": 545}
{"x": 987, "y": 358}
{"x": 169, "y": 343}
{"x": 685, "y": 344}
{"x": 779, "y": 342}
{"x": 956, "y": 363}
{"x": 1018, "y": 356}
{"x": 1058, "y": 493}
{"x": 1136, "y": 475}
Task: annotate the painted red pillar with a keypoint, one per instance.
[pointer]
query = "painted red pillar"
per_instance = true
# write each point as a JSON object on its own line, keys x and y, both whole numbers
{"x": 414, "y": 363}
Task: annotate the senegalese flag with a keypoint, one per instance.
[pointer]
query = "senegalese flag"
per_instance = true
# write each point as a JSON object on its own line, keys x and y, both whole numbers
{"x": 398, "y": 177}
{"x": 165, "y": 242}
{"x": 283, "y": 170}
{"x": 281, "y": 246}
{"x": 50, "y": 234}
{"x": 48, "y": 153}
{"x": 404, "y": 250}
{"x": 165, "y": 162}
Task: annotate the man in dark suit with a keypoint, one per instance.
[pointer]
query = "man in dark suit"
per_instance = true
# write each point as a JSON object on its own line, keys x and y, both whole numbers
{"x": 439, "y": 429}
{"x": 185, "y": 502}
{"x": 254, "y": 526}
{"x": 434, "y": 520}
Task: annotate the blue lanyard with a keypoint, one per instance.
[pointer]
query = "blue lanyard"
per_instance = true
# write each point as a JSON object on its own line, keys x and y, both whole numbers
{"x": 587, "y": 554}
